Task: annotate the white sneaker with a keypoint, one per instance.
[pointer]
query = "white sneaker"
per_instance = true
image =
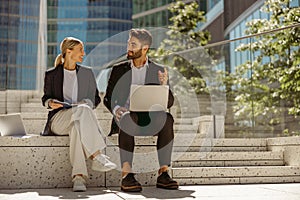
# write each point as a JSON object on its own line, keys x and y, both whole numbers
{"x": 102, "y": 163}
{"x": 78, "y": 184}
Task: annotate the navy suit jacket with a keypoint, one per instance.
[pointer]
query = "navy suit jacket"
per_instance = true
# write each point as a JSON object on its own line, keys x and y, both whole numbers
{"x": 53, "y": 89}
{"x": 118, "y": 89}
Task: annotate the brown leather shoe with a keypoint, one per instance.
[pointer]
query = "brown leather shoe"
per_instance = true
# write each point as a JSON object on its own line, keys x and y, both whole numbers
{"x": 166, "y": 182}
{"x": 130, "y": 184}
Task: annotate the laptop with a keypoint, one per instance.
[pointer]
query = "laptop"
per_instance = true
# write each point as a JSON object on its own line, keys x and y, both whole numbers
{"x": 147, "y": 98}
{"x": 12, "y": 125}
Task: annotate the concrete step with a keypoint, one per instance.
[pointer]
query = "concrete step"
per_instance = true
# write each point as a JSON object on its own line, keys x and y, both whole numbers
{"x": 188, "y": 121}
{"x": 236, "y": 175}
{"x": 35, "y": 100}
{"x": 200, "y": 143}
{"x": 221, "y": 144}
{"x": 197, "y": 148}
{"x": 32, "y": 107}
{"x": 228, "y": 159}
{"x": 191, "y": 115}
{"x": 186, "y": 128}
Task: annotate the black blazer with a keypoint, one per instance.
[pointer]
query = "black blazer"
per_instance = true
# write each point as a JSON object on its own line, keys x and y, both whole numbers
{"x": 53, "y": 89}
{"x": 118, "y": 89}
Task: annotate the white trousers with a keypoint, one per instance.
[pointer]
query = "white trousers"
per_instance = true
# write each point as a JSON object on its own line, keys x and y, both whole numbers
{"x": 81, "y": 124}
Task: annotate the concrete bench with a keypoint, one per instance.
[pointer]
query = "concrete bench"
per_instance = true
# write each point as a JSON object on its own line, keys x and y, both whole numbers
{"x": 36, "y": 161}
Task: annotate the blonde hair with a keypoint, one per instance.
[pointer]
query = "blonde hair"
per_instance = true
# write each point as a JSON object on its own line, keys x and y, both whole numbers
{"x": 67, "y": 43}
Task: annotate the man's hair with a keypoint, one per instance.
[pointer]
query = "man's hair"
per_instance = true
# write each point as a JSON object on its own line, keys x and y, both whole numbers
{"x": 142, "y": 35}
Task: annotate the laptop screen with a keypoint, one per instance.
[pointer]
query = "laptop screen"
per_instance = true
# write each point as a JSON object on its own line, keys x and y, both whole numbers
{"x": 12, "y": 125}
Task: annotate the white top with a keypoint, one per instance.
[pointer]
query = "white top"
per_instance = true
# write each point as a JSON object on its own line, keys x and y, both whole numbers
{"x": 138, "y": 75}
{"x": 70, "y": 86}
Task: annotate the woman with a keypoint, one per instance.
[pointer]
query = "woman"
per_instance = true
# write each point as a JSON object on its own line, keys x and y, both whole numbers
{"x": 71, "y": 83}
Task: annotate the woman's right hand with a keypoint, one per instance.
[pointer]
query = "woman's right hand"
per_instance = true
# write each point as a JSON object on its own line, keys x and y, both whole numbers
{"x": 54, "y": 105}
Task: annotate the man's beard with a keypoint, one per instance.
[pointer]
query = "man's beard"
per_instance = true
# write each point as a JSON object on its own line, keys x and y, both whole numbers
{"x": 134, "y": 55}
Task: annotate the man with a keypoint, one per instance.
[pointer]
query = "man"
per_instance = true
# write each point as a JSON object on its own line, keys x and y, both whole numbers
{"x": 139, "y": 70}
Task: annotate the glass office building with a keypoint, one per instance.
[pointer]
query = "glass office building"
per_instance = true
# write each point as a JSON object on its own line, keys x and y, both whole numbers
{"x": 92, "y": 21}
{"x": 31, "y": 31}
{"x": 19, "y": 29}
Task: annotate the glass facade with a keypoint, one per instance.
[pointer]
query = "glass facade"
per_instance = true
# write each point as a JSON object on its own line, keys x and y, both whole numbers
{"x": 254, "y": 107}
{"x": 211, "y": 4}
{"x": 92, "y": 21}
{"x": 154, "y": 13}
{"x": 19, "y": 25}
{"x": 239, "y": 31}
{"x": 157, "y": 14}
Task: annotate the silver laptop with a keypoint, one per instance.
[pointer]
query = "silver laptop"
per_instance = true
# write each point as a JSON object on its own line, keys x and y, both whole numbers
{"x": 12, "y": 125}
{"x": 147, "y": 98}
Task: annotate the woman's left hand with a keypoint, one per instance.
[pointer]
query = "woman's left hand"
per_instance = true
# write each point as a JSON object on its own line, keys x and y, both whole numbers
{"x": 54, "y": 105}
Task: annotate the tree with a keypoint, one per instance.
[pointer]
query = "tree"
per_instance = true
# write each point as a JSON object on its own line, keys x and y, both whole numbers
{"x": 183, "y": 35}
{"x": 272, "y": 90}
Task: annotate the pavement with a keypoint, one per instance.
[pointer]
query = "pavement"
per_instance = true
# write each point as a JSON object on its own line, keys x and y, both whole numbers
{"x": 287, "y": 191}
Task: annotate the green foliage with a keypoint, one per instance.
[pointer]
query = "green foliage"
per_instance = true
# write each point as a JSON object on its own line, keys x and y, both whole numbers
{"x": 183, "y": 35}
{"x": 269, "y": 83}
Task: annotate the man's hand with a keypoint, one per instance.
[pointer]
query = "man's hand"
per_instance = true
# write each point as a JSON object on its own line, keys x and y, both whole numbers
{"x": 163, "y": 77}
{"x": 119, "y": 112}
